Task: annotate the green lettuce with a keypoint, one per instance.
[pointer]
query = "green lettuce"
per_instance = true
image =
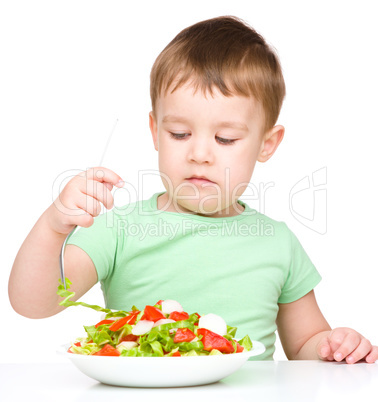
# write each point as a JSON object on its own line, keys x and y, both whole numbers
{"x": 215, "y": 352}
{"x": 152, "y": 347}
{"x": 99, "y": 335}
{"x": 231, "y": 331}
{"x": 189, "y": 323}
{"x": 137, "y": 353}
{"x": 68, "y": 295}
{"x": 188, "y": 346}
{"x": 157, "y": 342}
{"x": 246, "y": 343}
{"x": 86, "y": 349}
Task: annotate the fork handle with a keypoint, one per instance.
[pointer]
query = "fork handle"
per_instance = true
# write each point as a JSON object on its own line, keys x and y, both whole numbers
{"x": 61, "y": 258}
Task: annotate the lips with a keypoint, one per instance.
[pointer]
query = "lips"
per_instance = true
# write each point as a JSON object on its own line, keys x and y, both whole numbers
{"x": 199, "y": 179}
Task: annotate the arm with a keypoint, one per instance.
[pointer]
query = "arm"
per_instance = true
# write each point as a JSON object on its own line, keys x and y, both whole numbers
{"x": 306, "y": 335}
{"x": 35, "y": 273}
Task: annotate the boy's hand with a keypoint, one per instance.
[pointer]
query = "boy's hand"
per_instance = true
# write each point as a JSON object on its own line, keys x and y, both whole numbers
{"x": 80, "y": 201}
{"x": 348, "y": 344}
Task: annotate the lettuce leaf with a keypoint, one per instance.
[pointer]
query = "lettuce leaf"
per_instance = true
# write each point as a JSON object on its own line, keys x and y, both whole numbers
{"x": 191, "y": 353}
{"x": 118, "y": 335}
{"x": 68, "y": 295}
{"x": 163, "y": 337}
{"x": 189, "y": 323}
{"x": 231, "y": 331}
{"x": 188, "y": 346}
{"x": 152, "y": 347}
{"x": 246, "y": 343}
{"x": 86, "y": 349}
{"x": 137, "y": 353}
{"x": 117, "y": 314}
{"x": 215, "y": 352}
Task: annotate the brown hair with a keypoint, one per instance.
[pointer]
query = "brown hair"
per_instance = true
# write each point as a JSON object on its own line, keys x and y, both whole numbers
{"x": 226, "y": 53}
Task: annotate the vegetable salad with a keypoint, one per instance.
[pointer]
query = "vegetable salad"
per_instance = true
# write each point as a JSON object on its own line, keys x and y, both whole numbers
{"x": 160, "y": 330}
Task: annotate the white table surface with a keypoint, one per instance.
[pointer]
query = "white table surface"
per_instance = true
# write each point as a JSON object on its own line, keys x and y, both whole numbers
{"x": 255, "y": 381}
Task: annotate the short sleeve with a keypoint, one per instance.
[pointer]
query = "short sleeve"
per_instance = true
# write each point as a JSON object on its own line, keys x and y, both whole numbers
{"x": 100, "y": 243}
{"x": 302, "y": 275}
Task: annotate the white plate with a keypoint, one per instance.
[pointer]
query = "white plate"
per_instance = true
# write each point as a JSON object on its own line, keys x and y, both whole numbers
{"x": 160, "y": 371}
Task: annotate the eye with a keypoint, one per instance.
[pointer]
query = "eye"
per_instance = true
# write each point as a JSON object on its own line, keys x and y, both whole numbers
{"x": 179, "y": 136}
{"x": 225, "y": 141}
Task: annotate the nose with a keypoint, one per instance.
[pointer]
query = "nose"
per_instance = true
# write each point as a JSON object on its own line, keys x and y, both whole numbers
{"x": 201, "y": 151}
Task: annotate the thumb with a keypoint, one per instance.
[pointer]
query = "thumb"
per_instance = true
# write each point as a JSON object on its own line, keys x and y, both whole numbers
{"x": 323, "y": 349}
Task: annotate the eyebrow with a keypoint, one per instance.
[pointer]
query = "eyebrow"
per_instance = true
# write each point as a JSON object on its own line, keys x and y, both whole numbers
{"x": 227, "y": 124}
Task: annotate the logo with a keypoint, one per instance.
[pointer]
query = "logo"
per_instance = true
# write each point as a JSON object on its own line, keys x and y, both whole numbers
{"x": 310, "y": 194}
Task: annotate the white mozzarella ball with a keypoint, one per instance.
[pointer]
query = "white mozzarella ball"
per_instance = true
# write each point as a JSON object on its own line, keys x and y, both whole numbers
{"x": 163, "y": 321}
{"x": 214, "y": 323}
{"x": 142, "y": 327}
{"x": 169, "y": 306}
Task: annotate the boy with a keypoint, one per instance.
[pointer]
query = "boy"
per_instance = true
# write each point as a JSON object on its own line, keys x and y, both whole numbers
{"x": 216, "y": 93}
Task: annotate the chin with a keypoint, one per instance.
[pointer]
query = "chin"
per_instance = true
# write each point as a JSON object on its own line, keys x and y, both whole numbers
{"x": 208, "y": 208}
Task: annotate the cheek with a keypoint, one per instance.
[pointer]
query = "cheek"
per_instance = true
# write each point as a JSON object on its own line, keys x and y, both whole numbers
{"x": 240, "y": 164}
{"x": 239, "y": 175}
{"x": 169, "y": 158}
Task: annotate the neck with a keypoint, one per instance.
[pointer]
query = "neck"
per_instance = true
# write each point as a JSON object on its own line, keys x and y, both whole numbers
{"x": 166, "y": 203}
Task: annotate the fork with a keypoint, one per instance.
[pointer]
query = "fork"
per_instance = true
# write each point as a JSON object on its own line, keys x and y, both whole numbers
{"x": 61, "y": 256}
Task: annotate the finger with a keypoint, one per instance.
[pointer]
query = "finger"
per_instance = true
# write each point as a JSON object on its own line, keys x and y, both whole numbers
{"x": 350, "y": 342}
{"x": 323, "y": 349}
{"x": 372, "y": 357}
{"x": 76, "y": 216}
{"x": 84, "y": 220}
{"x": 102, "y": 174}
{"x": 98, "y": 191}
{"x": 336, "y": 338}
{"x": 362, "y": 350}
{"x": 88, "y": 204}
{"x": 109, "y": 186}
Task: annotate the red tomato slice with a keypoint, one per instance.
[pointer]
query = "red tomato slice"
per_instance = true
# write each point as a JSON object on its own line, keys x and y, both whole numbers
{"x": 152, "y": 313}
{"x": 239, "y": 348}
{"x": 183, "y": 335}
{"x": 159, "y": 302}
{"x": 107, "y": 350}
{"x": 211, "y": 341}
{"x": 129, "y": 319}
{"x": 129, "y": 338}
{"x": 104, "y": 322}
{"x": 176, "y": 354}
{"x": 118, "y": 324}
{"x": 177, "y": 316}
{"x": 132, "y": 317}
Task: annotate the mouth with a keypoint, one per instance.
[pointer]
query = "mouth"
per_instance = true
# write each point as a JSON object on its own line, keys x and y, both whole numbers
{"x": 199, "y": 180}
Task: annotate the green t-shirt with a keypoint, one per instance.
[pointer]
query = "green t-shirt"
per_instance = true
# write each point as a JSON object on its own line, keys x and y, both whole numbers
{"x": 238, "y": 267}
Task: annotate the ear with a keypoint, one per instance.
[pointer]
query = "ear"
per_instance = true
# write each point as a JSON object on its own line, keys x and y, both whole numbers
{"x": 153, "y": 129}
{"x": 270, "y": 143}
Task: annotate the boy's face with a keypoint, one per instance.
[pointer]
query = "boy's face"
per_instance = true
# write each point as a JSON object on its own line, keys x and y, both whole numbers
{"x": 208, "y": 147}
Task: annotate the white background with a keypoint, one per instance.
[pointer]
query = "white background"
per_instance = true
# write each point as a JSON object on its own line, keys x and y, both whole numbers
{"x": 69, "y": 68}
